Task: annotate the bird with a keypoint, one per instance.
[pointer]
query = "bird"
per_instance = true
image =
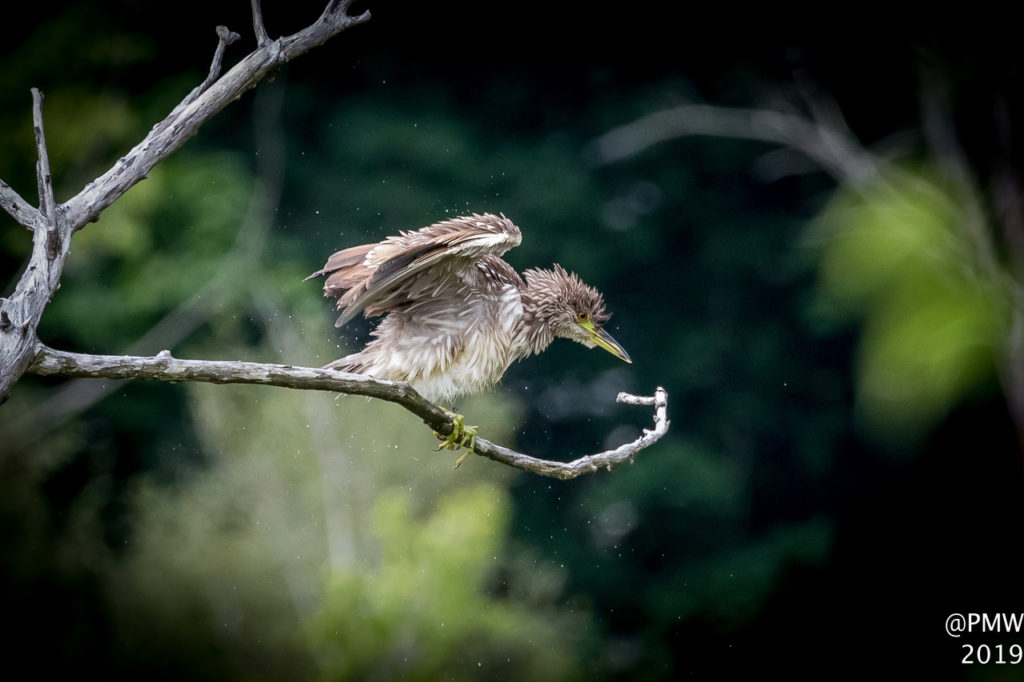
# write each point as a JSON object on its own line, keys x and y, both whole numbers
{"x": 456, "y": 315}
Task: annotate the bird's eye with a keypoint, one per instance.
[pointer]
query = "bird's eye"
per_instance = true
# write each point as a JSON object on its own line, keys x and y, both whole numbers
{"x": 583, "y": 315}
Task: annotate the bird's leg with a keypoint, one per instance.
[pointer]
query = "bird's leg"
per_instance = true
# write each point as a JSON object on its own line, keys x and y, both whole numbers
{"x": 470, "y": 433}
{"x": 462, "y": 436}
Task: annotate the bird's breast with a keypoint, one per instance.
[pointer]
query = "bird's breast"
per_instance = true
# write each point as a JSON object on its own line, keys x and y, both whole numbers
{"x": 486, "y": 346}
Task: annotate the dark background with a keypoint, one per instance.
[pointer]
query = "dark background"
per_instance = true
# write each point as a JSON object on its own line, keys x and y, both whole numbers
{"x": 784, "y": 524}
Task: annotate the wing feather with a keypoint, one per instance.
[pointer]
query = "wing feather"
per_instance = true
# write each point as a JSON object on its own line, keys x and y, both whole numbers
{"x": 380, "y": 277}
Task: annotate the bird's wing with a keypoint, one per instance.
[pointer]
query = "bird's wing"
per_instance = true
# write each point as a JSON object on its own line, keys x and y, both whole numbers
{"x": 380, "y": 277}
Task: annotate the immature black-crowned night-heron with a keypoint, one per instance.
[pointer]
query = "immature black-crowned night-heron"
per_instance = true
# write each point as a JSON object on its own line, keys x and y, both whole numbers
{"x": 457, "y": 315}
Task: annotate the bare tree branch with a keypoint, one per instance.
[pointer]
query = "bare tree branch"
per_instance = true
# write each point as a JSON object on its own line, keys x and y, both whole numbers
{"x": 182, "y": 124}
{"x": 224, "y": 38}
{"x": 18, "y": 208}
{"x": 238, "y": 265}
{"x": 608, "y": 459}
{"x": 824, "y": 138}
{"x": 164, "y": 367}
{"x": 51, "y": 238}
{"x": 54, "y": 224}
{"x": 334, "y": 9}
{"x": 44, "y": 177}
{"x": 258, "y": 27}
{"x": 840, "y": 155}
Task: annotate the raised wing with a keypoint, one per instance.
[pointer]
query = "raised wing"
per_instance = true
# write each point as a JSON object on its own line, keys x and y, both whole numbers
{"x": 380, "y": 277}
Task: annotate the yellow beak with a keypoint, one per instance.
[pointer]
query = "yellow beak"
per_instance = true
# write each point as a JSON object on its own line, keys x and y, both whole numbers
{"x": 603, "y": 339}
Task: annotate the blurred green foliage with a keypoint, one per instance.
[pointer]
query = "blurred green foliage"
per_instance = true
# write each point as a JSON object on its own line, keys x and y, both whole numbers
{"x": 898, "y": 253}
{"x": 422, "y": 613}
{"x": 154, "y": 249}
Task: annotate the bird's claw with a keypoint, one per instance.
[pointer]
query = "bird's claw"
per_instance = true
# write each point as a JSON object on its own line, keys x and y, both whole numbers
{"x": 461, "y": 437}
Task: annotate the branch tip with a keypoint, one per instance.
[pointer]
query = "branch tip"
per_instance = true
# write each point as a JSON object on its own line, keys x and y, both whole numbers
{"x": 227, "y": 35}
{"x": 630, "y": 399}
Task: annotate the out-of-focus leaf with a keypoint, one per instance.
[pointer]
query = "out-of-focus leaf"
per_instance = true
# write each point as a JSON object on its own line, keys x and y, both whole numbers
{"x": 423, "y": 611}
{"x": 896, "y": 253}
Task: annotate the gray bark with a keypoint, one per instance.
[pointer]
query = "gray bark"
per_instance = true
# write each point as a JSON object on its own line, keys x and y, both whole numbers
{"x": 164, "y": 367}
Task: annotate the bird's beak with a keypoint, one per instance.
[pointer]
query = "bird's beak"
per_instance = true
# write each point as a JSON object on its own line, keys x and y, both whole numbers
{"x": 603, "y": 339}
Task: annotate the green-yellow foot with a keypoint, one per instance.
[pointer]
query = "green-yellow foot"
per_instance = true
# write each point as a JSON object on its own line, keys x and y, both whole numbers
{"x": 461, "y": 437}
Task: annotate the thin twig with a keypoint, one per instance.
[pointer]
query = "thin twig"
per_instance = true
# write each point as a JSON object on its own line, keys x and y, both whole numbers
{"x": 44, "y": 178}
{"x": 164, "y": 367}
{"x": 840, "y": 156}
{"x": 258, "y": 27}
{"x": 224, "y": 38}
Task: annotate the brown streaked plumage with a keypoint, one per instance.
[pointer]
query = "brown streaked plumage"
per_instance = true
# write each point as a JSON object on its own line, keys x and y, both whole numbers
{"x": 456, "y": 314}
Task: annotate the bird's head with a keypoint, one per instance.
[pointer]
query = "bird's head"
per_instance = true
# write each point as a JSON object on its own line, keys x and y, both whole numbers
{"x": 570, "y": 309}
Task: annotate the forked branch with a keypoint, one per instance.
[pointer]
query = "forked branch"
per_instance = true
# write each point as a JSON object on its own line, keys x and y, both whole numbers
{"x": 202, "y": 104}
{"x": 54, "y": 224}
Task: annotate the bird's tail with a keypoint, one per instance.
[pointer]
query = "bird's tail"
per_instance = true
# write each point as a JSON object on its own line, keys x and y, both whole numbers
{"x": 355, "y": 363}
